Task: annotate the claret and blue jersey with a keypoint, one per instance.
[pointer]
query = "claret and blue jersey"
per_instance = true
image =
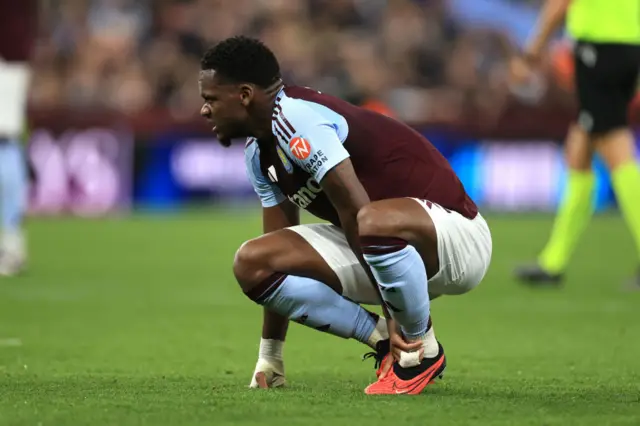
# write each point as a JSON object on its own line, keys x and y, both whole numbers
{"x": 312, "y": 133}
{"x": 307, "y": 142}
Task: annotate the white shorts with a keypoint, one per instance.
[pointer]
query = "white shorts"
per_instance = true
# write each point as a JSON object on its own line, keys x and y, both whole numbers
{"x": 14, "y": 87}
{"x": 464, "y": 251}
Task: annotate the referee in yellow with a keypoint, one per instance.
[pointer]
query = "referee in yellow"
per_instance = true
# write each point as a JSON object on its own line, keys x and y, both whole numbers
{"x": 606, "y": 34}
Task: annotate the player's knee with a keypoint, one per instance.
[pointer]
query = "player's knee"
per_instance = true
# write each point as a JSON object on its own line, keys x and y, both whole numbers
{"x": 578, "y": 149}
{"x": 616, "y": 148}
{"x": 376, "y": 221}
{"x": 250, "y": 265}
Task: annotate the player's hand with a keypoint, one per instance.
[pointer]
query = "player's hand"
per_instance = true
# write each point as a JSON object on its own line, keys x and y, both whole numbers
{"x": 397, "y": 342}
{"x": 521, "y": 71}
{"x": 268, "y": 374}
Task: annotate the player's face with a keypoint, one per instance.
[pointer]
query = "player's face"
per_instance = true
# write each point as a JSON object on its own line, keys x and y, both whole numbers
{"x": 225, "y": 107}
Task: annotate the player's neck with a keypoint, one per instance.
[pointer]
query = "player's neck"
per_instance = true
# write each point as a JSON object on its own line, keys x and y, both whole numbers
{"x": 263, "y": 124}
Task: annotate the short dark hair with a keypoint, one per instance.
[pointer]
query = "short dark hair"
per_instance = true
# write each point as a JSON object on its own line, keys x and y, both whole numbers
{"x": 243, "y": 60}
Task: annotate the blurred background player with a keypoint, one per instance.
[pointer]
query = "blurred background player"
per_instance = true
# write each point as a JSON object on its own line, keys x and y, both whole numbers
{"x": 607, "y": 61}
{"x": 16, "y": 32}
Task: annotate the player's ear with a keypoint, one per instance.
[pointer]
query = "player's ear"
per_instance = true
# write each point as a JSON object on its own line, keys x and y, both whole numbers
{"x": 246, "y": 94}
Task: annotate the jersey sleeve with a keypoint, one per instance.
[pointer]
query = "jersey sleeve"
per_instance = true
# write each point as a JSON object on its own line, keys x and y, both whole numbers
{"x": 269, "y": 194}
{"x": 315, "y": 145}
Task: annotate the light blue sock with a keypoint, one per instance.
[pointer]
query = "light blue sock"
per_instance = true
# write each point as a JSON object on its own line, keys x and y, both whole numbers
{"x": 402, "y": 278}
{"x": 315, "y": 305}
{"x": 13, "y": 187}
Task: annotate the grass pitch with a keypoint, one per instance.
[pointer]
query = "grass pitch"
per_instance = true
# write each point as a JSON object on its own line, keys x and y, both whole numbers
{"x": 139, "y": 321}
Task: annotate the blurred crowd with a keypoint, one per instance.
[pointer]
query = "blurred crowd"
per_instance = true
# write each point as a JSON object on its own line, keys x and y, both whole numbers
{"x": 420, "y": 57}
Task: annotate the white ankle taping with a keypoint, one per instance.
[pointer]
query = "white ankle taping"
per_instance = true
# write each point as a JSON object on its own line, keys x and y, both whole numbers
{"x": 271, "y": 349}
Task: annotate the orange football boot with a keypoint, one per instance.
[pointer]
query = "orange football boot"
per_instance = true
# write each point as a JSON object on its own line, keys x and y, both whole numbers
{"x": 382, "y": 356}
{"x": 409, "y": 381}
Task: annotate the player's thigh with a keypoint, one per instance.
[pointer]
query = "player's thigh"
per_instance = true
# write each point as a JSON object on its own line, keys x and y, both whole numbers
{"x": 330, "y": 243}
{"x": 463, "y": 245}
{"x": 605, "y": 81}
{"x": 402, "y": 218}
{"x": 578, "y": 149}
{"x": 283, "y": 251}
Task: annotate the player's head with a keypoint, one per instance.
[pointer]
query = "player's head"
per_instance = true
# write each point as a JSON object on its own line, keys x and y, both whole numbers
{"x": 238, "y": 79}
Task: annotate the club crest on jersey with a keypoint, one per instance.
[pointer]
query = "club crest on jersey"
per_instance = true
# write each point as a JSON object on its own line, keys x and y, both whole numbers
{"x": 300, "y": 148}
{"x": 285, "y": 161}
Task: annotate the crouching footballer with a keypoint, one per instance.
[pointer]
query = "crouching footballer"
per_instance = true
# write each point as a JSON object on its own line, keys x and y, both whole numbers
{"x": 401, "y": 229}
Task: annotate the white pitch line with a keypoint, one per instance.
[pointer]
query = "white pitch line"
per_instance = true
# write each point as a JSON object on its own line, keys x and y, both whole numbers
{"x": 11, "y": 342}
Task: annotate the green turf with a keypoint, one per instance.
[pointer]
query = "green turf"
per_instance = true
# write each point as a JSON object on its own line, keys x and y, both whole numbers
{"x": 138, "y": 321}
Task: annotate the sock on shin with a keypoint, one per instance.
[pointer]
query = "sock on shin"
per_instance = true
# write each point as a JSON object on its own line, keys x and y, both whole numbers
{"x": 314, "y": 304}
{"x": 402, "y": 278}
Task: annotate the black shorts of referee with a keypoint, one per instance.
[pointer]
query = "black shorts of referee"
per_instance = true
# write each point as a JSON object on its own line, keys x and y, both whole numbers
{"x": 606, "y": 82}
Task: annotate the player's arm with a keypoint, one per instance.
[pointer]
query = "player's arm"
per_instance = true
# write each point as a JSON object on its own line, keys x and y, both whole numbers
{"x": 277, "y": 213}
{"x": 551, "y": 16}
{"x": 317, "y": 149}
{"x": 281, "y": 216}
{"x": 325, "y": 158}
{"x": 348, "y": 196}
